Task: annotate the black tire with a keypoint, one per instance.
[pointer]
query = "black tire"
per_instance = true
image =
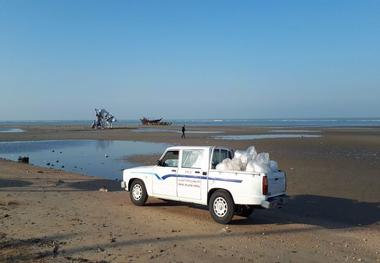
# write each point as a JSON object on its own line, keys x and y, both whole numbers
{"x": 221, "y": 207}
{"x": 138, "y": 192}
{"x": 244, "y": 210}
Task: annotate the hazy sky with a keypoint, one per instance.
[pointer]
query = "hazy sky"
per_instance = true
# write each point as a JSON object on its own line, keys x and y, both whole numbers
{"x": 189, "y": 59}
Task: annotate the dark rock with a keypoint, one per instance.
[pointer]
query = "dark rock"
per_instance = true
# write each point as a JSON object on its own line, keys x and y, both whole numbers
{"x": 23, "y": 159}
{"x": 55, "y": 249}
{"x": 59, "y": 182}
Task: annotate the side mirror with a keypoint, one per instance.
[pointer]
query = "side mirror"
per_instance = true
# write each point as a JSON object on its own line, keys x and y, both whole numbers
{"x": 159, "y": 162}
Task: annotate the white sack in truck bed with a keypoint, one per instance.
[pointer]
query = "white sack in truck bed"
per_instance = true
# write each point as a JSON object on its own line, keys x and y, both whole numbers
{"x": 248, "y": 161}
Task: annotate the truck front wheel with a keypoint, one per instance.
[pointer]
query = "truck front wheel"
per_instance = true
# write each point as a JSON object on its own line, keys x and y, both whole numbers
{"x": 138, "y": 193}
{"x": 221, "y": 207}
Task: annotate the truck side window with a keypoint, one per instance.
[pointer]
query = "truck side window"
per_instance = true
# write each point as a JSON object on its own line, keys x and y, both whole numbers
{"x": 219, "y": 155}
{"x": 170, "y": 159}
{"x": 192, "y": 159}
{"x": 216, "y": 158}
{"x": 224, "y": 154}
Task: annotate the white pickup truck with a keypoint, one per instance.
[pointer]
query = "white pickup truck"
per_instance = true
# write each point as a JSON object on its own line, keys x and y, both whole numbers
{"x": 188, "y": 174}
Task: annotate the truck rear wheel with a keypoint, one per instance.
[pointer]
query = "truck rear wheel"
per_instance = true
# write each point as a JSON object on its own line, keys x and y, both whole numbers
{"x": 221, "y": 207}
{"x": 138, "y": 192}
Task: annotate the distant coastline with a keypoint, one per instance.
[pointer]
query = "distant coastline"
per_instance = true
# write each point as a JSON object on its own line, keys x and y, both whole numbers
{"x": 287, "y": 122}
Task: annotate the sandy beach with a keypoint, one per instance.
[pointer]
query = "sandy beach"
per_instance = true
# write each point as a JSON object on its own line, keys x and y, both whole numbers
{"x": 333, "y": 215}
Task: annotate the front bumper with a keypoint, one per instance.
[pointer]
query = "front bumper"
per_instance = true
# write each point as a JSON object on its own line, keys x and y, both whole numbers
{"x": 275, "y": 202}
{"x": 123, "y": 185}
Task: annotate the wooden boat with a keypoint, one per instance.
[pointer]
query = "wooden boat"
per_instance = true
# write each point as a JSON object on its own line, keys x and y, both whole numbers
{"x": 145, "y": 121}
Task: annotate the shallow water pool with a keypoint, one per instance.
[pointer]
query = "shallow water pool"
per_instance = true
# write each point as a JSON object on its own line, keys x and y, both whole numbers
{"x": 11, "y": 130}
{"x": 296, "y": 131}
{"x": 265, "y": 136}
{"x": 89, "y": 157}
{"x": 174, "y": 131}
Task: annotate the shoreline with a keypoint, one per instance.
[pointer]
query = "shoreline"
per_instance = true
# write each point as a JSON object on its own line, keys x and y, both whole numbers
{"x": 333, "y": 183}
{"x": 352, "y": 151}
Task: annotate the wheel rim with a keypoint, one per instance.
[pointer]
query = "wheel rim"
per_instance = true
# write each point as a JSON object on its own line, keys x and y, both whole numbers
{"x": 137, "y": 192}
{"x": 220, "y": 206}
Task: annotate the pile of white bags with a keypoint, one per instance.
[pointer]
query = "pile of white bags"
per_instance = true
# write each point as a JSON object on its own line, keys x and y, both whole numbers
{"x": 249, "y": 161}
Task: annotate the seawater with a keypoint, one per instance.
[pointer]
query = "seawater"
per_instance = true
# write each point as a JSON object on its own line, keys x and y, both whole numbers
{"x": 265, "y": 136}
{"x": 10, "y": 130}
{"x": 291, "y": 122}
{"x": 104, "y": 158}
{"x": 144, "y": 130}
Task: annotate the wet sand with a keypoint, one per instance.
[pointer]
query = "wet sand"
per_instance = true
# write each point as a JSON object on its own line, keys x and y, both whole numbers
{"x": 333, "y": 215}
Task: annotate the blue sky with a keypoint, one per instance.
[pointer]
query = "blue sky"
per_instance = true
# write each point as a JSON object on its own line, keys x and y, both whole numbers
{"x": 189, "y": 59}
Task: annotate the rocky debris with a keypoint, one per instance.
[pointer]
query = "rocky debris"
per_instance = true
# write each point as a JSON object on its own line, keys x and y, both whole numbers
{"x": 83, "y": 260}
{"x": 103, "y": 189}
{"x": 9, "y": 203}
{"x": 100, "y": 249}
{"x": 59, "y": 182}
{"x": 226, "y": 229}
{"x": 2, "y": 235}
{"x": 40, "y": 172}
{"x": 23, "y": 159}
{"x": 55, "y": 249}
{"x": 33, "y": 249}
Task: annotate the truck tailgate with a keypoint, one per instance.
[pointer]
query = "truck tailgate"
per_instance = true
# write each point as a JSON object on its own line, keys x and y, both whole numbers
{"x": 276, "y": 183}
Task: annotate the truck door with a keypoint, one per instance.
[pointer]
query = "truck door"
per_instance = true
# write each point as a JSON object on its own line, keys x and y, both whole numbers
{"x": 192, "y": 174}
{"x": 165, "y": 181}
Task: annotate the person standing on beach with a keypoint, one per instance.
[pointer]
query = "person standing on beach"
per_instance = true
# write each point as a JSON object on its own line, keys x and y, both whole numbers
{"x": 183, "y": 132}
